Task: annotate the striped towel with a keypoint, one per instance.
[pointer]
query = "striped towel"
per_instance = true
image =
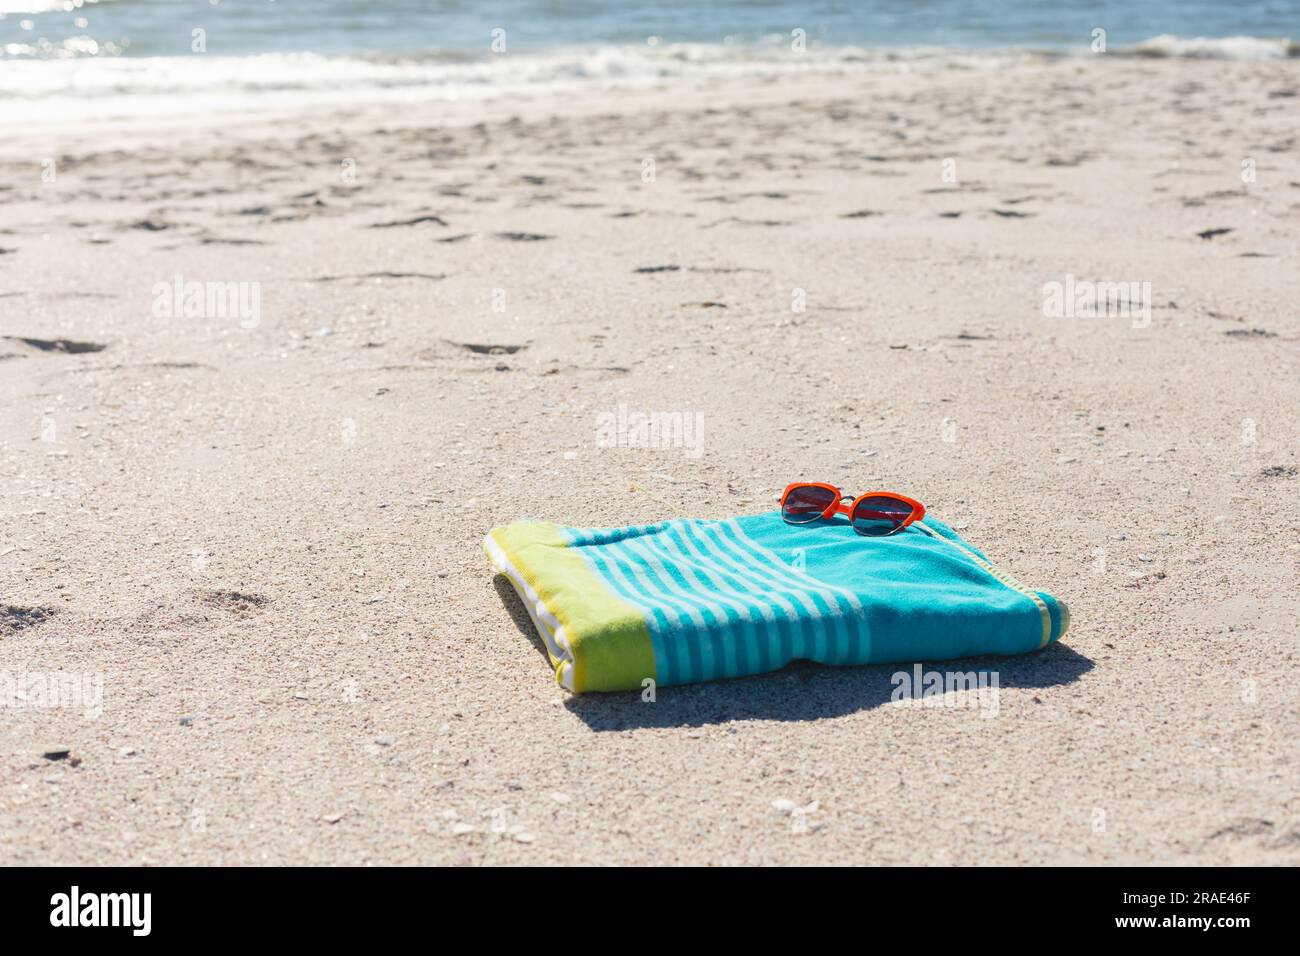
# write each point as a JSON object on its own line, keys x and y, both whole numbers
{"x": 693, "y": 600}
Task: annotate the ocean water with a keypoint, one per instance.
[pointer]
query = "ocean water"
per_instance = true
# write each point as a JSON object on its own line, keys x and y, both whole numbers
{"x": 71, "y": 58}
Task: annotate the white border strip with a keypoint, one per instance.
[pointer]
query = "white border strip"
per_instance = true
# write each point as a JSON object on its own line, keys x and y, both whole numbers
{"x": 547, "y": 624}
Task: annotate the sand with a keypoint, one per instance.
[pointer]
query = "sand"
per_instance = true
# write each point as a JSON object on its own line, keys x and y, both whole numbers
{"x": 263, "y": 544}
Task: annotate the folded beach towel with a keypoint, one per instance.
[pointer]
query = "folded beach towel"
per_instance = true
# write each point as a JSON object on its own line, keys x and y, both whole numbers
{"x": 692, "y": 600}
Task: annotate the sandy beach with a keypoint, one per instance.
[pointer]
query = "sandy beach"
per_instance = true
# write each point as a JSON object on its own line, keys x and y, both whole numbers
{"x": 252, "y": 540}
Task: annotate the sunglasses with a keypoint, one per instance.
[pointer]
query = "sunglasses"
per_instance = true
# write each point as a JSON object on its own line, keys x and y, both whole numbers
{"x": 875, "y": 514}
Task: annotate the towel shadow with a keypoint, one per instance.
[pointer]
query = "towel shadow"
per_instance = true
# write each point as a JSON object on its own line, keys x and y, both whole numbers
{"x": 802, "y": 690}
{"x": 519, "y": 614}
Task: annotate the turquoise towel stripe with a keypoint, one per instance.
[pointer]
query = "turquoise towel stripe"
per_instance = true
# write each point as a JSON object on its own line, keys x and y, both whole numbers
{"x": 747, "y": 615}
{"x": 785, "y": 615}
{"x": 849, "y": 623}
{"x": 702, "y": 653}
{"x": 778, "y": 574}
{"x": 688, "y": 619}
{"x": 817, "y": 601}
{"x": 697, "y": 659}
{"x": 802, "y": 618}
{"x": 763, "y": 581}
{"x": 759, "y": 641}
{"x": 700, "y": 576}
{"x": 745, "y": 595}
{"x": 813, "y": 608}
{"x": 797, "y": 609}
{"x": 658, "y": 626}
{"x": 768, "y": 616}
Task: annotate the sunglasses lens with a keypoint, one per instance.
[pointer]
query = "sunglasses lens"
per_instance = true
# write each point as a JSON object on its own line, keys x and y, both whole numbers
{"x": 879, "y": 516}
{"x": 806, "y": 503}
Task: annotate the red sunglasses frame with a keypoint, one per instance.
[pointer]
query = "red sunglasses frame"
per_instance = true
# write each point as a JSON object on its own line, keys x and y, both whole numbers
{"x": 837, "y": 506}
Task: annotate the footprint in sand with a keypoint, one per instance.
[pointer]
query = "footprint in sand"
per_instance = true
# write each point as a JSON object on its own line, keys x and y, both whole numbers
{"x": 219, "y": 241}
{"x": 1279, "y": 471}
{"x": 432, "y": 277}
{"x": 483, "y": 349}
{"x": 418, "y": 220}
{"x": 736, "y": 220}
{"x": 58, "y": 345}
{"x": 14, "y": 618}
{"x": 236, "y": 602}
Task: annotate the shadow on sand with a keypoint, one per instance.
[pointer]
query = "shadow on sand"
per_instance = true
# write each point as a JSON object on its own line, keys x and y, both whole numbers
{"x": 803, "y": 690}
